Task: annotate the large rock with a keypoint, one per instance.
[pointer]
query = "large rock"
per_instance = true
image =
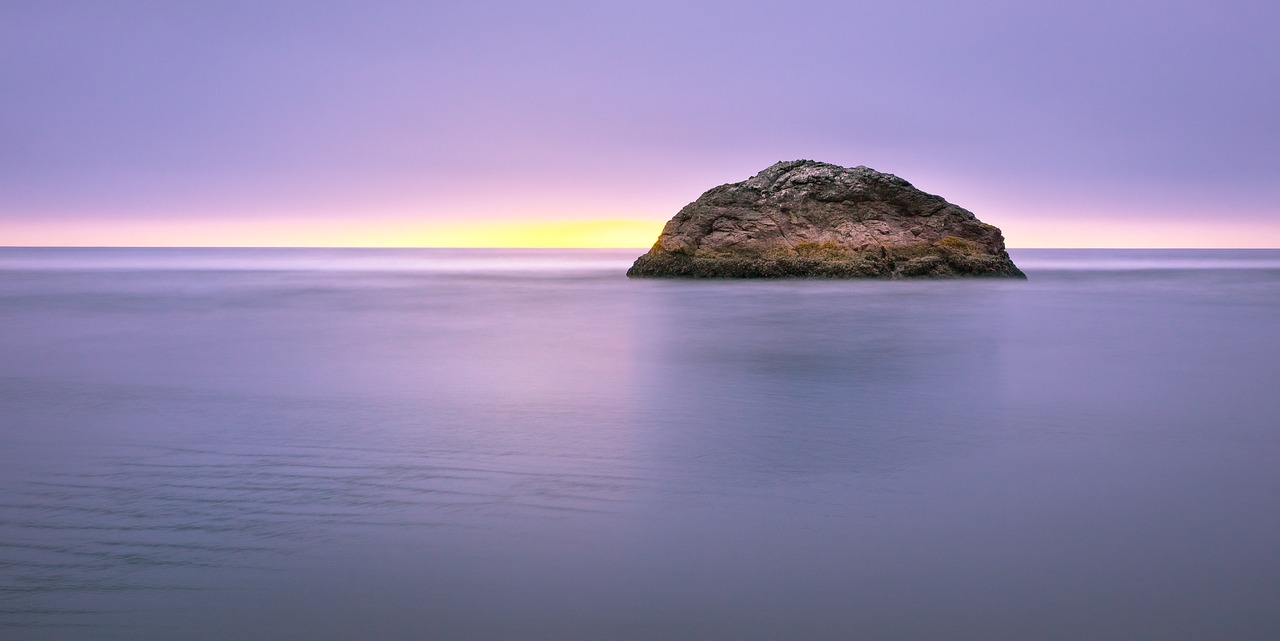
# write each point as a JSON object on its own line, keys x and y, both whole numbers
{"x": 811, "y": 219}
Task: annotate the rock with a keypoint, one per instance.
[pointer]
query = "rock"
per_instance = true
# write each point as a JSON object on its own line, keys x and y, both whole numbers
{"x": 811, "y": 219}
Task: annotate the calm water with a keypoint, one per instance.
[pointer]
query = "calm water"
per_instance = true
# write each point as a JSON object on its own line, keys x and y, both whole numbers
{"x": 435, "y": 444}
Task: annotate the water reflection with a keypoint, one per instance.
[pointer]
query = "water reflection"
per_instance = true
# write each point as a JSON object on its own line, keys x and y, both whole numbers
{"x": 807, "y": 379}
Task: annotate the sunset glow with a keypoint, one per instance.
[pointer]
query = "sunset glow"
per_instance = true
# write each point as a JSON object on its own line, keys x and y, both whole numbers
{"x": 1058, "y": 231}
{"x": 334, "y": 233}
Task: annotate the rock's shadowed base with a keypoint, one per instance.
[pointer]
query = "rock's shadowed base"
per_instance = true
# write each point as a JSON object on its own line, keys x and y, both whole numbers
{"x": 934, "y": 263}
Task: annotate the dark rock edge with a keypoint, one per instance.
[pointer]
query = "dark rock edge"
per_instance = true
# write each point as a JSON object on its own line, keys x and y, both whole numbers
{"x": 951, "y": 257}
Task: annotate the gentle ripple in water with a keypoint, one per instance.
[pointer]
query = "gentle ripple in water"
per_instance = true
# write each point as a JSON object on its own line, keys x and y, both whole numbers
{"x": 266, "y": 444}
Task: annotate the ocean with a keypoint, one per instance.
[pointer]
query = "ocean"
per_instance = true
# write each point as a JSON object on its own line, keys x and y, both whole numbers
{"x": 210, "y": 444}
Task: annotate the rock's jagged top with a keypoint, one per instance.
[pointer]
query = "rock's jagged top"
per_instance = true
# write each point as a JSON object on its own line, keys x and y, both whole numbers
{"x": 805, "y": 218}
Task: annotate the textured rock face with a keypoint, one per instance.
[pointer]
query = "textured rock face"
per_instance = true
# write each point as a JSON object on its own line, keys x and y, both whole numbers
{"x": 811, "y": 219}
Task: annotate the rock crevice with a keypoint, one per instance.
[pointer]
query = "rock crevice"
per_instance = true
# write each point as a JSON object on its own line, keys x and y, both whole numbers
{"x": 805, "y": 218}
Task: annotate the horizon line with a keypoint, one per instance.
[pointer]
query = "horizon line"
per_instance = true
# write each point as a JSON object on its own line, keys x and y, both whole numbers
{"x": 558, "y": 248}
{"x": 561, "y": 233}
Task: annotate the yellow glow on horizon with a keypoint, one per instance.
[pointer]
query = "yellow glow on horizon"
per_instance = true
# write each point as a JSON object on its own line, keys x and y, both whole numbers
{"x": 1041, "y": 231}
{"x": 621, "y": 233}
{"x": 573, "y": 233}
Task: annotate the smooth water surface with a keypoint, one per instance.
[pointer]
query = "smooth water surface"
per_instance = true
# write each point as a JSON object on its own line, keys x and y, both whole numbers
{"x": 452, "y": 444}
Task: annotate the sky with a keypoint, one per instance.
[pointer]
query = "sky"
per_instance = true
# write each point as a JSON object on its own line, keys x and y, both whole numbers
{"x": 1066, "y": 124}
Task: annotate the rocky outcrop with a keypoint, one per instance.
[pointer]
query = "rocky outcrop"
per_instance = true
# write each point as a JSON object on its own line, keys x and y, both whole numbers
{"x": 811, "y": 219}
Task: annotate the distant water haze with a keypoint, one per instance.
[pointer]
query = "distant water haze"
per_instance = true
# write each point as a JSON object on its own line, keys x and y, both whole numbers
{"x": 523, "y": 444}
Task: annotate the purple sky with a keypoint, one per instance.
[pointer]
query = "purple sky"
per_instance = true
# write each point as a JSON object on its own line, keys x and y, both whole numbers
{"x": 1041, "y": 119}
